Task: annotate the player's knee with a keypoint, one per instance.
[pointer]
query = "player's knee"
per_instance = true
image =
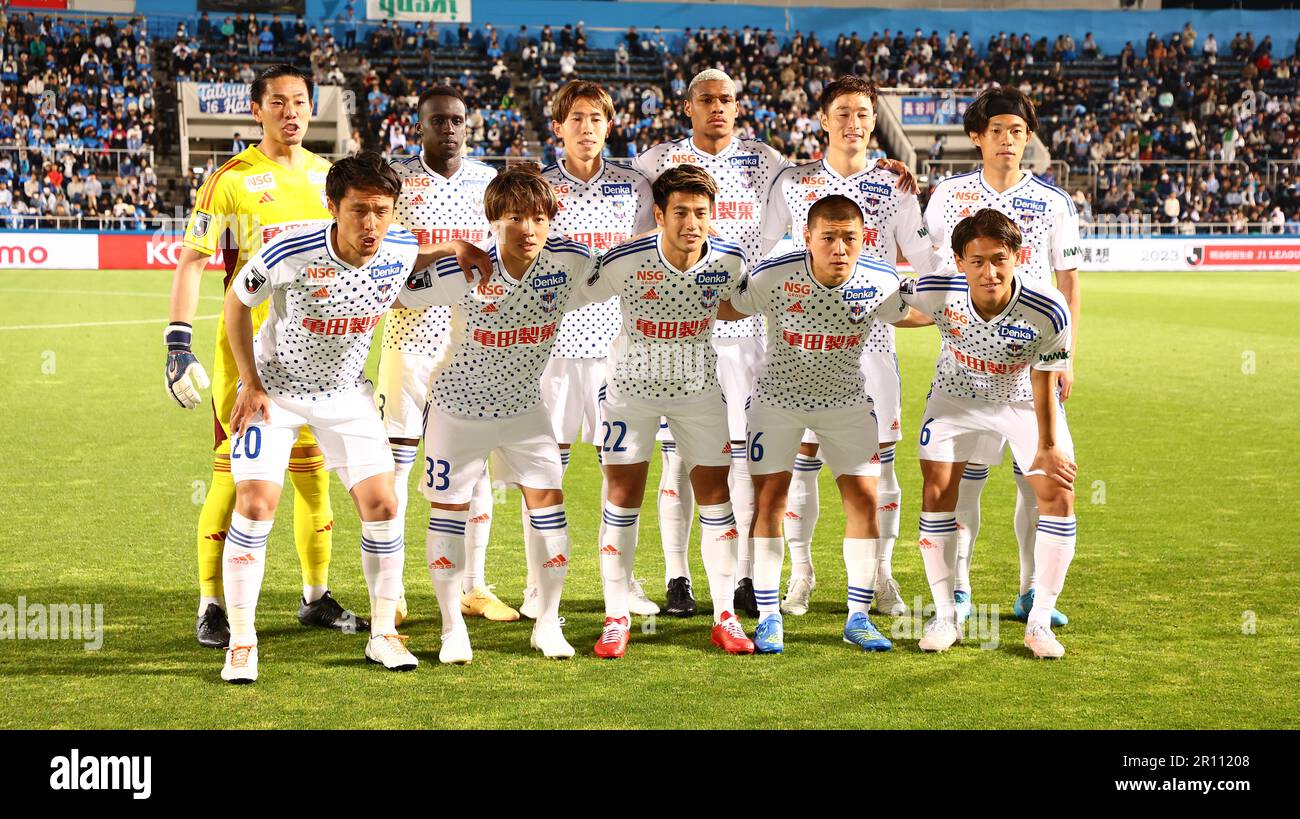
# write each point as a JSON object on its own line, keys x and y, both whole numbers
{"x": 256, "y": 505}
{"x": 1057, "y": 503}
{"x": 808, "y": 450}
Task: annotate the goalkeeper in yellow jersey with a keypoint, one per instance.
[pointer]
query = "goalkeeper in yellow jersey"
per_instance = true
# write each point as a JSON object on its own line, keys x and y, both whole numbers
{"x": 262, "y": 192}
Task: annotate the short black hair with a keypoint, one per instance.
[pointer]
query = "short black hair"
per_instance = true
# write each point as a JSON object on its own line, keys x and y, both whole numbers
{"x": 439, "y": 91}
{"x": 835, "y": 206}
{"x": 684, "y": 179}
{"x": 366, "y": 171}
{"x": 258, "y": 89}
{"x": 1003, "y": 99}
{"x": 987, "y": 223}
{"x": 848, "y": 84}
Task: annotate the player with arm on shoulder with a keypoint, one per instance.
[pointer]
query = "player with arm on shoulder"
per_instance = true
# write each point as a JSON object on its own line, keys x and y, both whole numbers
{"x": 662, "y": 365}
{"x": 819, "y": 304}
{"x": 485, "y": 397}
{"x": 1000, "y": 122}
{"x": 1005, "y": 341}
{"x": 306, "y": 369}
{"x": 892, "y": 227}
{"x": 602, "y": 204}
{"x": 742, "y": 169}
{"x": 442, "y": 200}
{"x": 258, "y": 195}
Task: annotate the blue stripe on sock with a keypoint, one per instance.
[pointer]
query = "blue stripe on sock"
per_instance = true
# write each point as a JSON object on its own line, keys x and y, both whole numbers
{"x": 378, "y": 549}
{"x": 729, "y": 520}
{"x": 975, "y": 474}
{"x": 247, "y": 541}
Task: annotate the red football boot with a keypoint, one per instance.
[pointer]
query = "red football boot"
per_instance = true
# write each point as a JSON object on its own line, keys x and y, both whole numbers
{"x": 613, "y": 639}
{"x": 730, "y": 637}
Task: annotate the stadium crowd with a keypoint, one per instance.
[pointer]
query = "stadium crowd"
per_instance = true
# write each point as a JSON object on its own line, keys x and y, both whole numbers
{"x": 1145, "y": 124}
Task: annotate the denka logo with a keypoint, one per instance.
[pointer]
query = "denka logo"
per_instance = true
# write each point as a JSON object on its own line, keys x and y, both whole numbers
{"x": 649, "y": 275}
{"x": 875, "y": 188}
{"x": 102, "y": 773}
{"x": 1020, "y": 203}
{"x": 616, "y": 189}
{"x": 550, "y": 280}
{"x": 797, "y": 289}
{"x": 711, "y": 278}
{"x": 321, "y": 272}
{"x": 858, "y": 293}
{"x": 1018, "y": 333}
{"x": 955, "y": 317}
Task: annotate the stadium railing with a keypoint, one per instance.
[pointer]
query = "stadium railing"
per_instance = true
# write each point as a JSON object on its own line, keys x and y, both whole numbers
{"x": 1060, "y": 168}
{"x": 51, "y": 152}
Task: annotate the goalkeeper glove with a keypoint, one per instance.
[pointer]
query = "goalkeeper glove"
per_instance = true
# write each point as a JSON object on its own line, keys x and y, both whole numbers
{"x": 185, "y": 375}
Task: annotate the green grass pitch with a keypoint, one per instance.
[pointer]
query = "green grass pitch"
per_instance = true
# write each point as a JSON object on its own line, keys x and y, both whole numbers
{"x": 1182, "y": 597}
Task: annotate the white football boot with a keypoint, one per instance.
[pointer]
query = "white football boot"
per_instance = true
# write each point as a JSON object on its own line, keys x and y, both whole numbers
{"x": 455, "y": 648}
{"x": 889, "y": 599}
{"x": 548, "y": 638}
{"x": 939, "y": 635}
{"x": 637, "y": 602}
{"x": 532, "y": 605}
{"x": 241, "y": 665}
{"x": 1040, "y": 640}
{"x": 798, "y": 593}
{"x": 390, "y": 651}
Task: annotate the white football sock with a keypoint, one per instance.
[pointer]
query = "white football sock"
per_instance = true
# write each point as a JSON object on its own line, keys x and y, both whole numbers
{"x": 938, "y": 542}
{"x": 618, "y": 531}
{"x": 769, "y": 555}
{"x": 310, "y": 594}
{"x": 530, "y": 535}
{"x": 803, "y": 506}
{"x": 548, "y": 557}
{"x": 718, "y": 538}
{"x": 890, "y": 508}
{"x": 1026, "y": 525}
{"x": 742, "y": 502}
{"x": 204, "y": 602}
{"x": 973, "y": 480}
{"x": 444, "y": 554}
{"x": 243, "y": 564}
{"x": 403, "y": 463}
{"x": 1054, "y": 550}
{"x": 477, "y": 529}
{"x": 676, "y": 499}
{"x": 861, "y": 557}
{"x": 383, "y": 556}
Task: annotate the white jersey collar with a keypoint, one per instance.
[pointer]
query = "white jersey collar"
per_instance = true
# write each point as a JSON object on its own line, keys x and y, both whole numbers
{"x": 1024, "y": 180}
{"x": 705, "y": 256}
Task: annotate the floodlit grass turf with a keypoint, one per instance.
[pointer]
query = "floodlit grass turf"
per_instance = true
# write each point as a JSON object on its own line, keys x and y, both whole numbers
{"x": 1187, "y": 523}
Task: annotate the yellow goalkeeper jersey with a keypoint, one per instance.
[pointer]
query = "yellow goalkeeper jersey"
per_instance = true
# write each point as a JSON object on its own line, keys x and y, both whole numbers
{"x": 246, "y": 203}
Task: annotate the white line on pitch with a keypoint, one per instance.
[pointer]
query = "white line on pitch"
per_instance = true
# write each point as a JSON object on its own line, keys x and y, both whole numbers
{"x": 95, "y": 324}
{"x": 97, "y": 293}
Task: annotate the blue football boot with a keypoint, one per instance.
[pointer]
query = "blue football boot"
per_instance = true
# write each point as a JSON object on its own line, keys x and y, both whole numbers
{"x": 961, "y": 599}
{"x": 769, "y": 635}
{"x": 861, "y": 632}
{"x": 1025, "y": 604}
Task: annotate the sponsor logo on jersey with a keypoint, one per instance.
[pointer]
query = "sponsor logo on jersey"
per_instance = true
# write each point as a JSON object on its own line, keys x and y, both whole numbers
{"x": 550, "y": 280}
{"x": 820, "y": 341}
{"x": 709, "y": 297}
{"x": 562, "y": 189}
{"x": 202, "y": 221}
{"x": 491, "y": 308}
{"x": 550, "y": 301}
{"x": 858, "y": 293}
{"x": 683, "y": 159}
{"x": 418, "y": 199}
{"x": 811, "y": 196}
{"x": 321, "y": 272}
{"x": 316, "y": 177}
{"x": 323, "y": 293}
{"x": 966, "y": 196}
{"x": 341, "y": 325}
{"x": 254, "y": 280}
{"x": 266, "y": 199}
{"x": 797, "y": 307}
{"x": 876, "y": 189}
{"x": 1017, "y": 333}
{"x": 955, "y": 317}
{"x": 870, "y": 207}
{"x": 260, "y": 181}
{"x": 420, "y": 280}
{"x": 416, "y": 182}
{"x": 386, "y": 271}
{"x": 1072, "y": 251}
{"x": 711, "y": 278}
{"x": 649, "y": 295}
{"x": 490, "y": 290}
{"x": 649, "y": 275}
{"x": 797, "y": 288}
{"x": 743, "y": 161}
{"x": 954, "y": 332}
{"x": 965, "y": 213}
{"x": 616, "y": 189}
{"x": 1059, "y": 355}
{"x": 812, "y": 181}
{"x": 1035, "y": 205}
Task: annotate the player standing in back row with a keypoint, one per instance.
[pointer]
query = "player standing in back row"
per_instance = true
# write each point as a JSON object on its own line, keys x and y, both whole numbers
{"x": 742, "y": 169}
{"x": 1000, "y": 122}
{"x": 262, "y": 192}
{"x": 602, "y": 204}
{"x": 892, "y": 223}
{"x": 442, "y": 200}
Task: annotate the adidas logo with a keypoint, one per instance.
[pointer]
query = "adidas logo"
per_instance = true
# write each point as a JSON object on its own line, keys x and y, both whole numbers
{"x": 217, "y": 536}
{"x": 246, "y": 559}
{"x": 418, "y": 199}
{"x": 889, "y": 507}
{"x": 442, "y": 563}
{"x": 797, "y": 307}
{"x": 610, "y": 549}
{"x": 793, "y": 516}
{"x": 323, "y": 293}
{"x": 926, "y": 543}
{"x": 894, "y": 425}
{"x": 326, "y": 527}
{"x": 650, "y": 295}
{"x": 810, "y": 196}
{"x": 964, "y": 213}
{"x": 266, "y": 199}
{"x": 954, "y": 331}
{"x": 730, "y": 534}
{"x": 491, "y": 308}
{"x": 875, "y": 458}
{"x": 483, "y": 518}
{"x": 672, "y": 493}
{"x": 726, "y": 448}
{"x": 557, "y": 562}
